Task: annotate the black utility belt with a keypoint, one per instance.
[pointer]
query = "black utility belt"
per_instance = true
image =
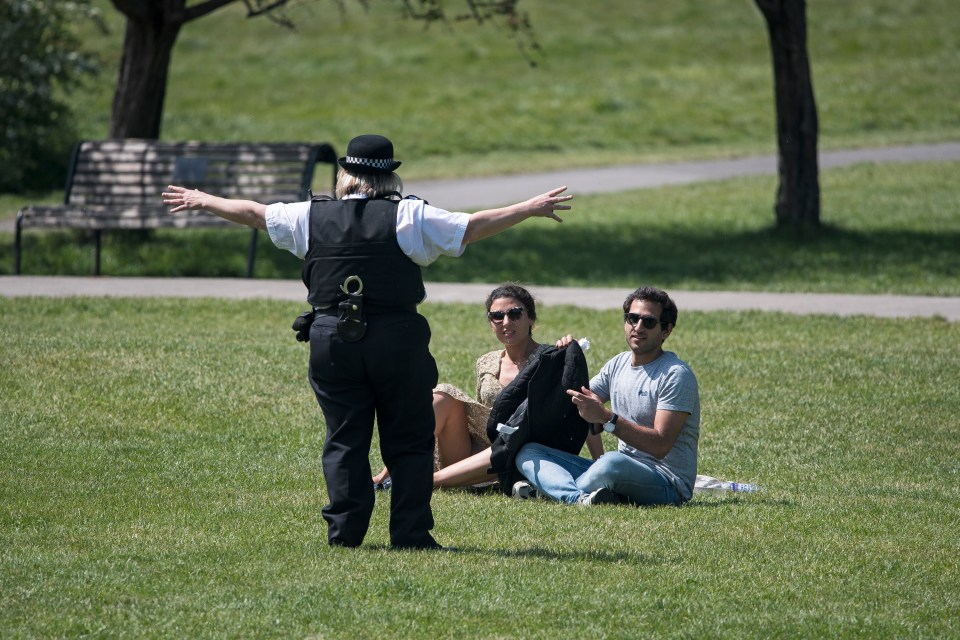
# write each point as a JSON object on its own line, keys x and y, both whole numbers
{"x": 333, "y": 308}
{"x": 351, "y": 312}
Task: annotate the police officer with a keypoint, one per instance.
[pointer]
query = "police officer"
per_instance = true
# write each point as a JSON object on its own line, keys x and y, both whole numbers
{"x": 369, "y": 348}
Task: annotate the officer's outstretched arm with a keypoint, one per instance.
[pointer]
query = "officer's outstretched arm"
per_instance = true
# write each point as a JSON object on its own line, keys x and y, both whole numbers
{"x": 246, "y": 212}
{"x": 490, "y": 222}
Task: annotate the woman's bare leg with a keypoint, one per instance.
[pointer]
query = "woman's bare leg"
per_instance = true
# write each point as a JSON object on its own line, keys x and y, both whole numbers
{"x": 380, "y": 477}
{"x": 472, "y": 470}
{"x": 450, "y": 429}
{"x": 453, "y": 437}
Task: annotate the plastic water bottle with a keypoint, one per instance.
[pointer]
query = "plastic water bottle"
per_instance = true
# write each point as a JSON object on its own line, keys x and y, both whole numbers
{"x": 706, "y": 484}
{"x": 584, "y": 344}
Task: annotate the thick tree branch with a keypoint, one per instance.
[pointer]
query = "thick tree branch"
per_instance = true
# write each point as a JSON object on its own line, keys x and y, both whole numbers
{"x": 204, "y": 8}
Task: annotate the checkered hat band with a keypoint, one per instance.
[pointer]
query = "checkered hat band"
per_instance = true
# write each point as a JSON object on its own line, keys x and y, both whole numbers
{"x": 376, "y": 163}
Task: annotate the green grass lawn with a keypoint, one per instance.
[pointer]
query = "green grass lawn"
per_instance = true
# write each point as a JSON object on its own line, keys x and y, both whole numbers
{"x": 159, "y": 459}
{"x": 160, "y": 477}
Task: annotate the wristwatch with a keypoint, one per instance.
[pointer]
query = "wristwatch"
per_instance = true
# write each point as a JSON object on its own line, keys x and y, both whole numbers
{"x": 611, "y": 424}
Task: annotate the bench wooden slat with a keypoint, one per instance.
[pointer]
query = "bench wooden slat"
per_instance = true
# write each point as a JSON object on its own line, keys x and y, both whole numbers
{"x": 103, "y": 179}
{"x": 148, "y": 191}
{"x": 138, "y": 161}
{"x": 135, "y": 168}
{"x": 117, "y": 218}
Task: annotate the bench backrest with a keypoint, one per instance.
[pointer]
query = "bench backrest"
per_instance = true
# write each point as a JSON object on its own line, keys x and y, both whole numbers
{"x": 133, "y": 173}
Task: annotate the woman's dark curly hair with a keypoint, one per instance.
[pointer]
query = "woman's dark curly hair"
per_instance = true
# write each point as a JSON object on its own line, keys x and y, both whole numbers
{"x": 511, "y": 290}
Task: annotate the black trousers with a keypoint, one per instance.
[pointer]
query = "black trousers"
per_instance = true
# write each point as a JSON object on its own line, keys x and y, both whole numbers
{"x": 388, "y": 375}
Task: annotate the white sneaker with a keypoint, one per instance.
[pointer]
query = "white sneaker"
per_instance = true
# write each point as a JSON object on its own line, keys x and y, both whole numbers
{"x": 600, "y": 496}
{"x": 523, "y": 490}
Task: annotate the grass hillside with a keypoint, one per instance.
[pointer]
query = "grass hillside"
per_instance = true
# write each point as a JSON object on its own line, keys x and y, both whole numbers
{"x": 624, "y": 80}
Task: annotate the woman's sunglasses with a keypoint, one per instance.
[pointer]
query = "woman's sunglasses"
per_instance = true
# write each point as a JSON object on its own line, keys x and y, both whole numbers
{"x": 648, "y": 322}
{"x": 497, "y": 316}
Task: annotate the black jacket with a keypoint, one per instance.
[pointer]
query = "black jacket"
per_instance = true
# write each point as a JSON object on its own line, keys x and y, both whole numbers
{"x": 537, "y": 404}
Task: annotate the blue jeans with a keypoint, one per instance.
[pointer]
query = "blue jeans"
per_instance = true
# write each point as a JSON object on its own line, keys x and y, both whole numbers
{"x": 566, "y": 477}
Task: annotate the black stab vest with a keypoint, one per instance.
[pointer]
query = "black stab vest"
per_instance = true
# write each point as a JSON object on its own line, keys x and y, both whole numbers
{"x": 358, "y": 237}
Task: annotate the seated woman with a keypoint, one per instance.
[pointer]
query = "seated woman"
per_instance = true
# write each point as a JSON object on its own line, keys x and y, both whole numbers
{"x": 512, "y": 313}
{"x": 463, "y": 450}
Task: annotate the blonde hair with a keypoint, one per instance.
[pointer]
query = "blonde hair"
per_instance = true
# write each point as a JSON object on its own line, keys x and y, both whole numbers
{"x": 371, "y": 185}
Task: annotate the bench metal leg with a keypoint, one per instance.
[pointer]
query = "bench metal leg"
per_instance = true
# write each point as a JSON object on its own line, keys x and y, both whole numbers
{"x": 96, "y": 254}
{"x": 16, "y": 250}
{"x": 252, "y": 255}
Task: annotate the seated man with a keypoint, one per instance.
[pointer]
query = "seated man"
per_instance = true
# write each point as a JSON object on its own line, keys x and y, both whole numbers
{"x": 655, "y": 415}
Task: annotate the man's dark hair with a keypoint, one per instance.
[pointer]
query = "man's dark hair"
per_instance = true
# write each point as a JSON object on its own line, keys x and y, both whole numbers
{"x": 514, "y": 291}
{"x": 669, "y": 312}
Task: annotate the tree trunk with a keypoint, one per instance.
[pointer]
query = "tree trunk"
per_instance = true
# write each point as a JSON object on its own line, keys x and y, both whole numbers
{"x": 798, "y": 194}
{"x": 142, "y": 82}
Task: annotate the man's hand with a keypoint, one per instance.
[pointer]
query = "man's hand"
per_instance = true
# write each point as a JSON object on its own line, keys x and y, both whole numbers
{"x": 589, "y": 405}
{"x": 564, "y": 342}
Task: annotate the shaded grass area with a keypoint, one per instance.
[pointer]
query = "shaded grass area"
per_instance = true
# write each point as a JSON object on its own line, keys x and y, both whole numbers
{"x": 159, "y": 473}
{"x": 887, "y": 229}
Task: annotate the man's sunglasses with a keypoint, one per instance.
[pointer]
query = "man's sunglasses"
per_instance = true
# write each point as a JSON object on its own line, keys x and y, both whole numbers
{"x": 648, "y": 322}
{"x": 497, "y": 316}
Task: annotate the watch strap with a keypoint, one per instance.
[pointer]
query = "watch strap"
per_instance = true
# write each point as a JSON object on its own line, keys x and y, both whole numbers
{"x": 612, "y": 422}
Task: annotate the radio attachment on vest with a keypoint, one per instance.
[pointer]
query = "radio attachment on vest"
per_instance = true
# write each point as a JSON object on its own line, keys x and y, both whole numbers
{"x": 351, "y": 322}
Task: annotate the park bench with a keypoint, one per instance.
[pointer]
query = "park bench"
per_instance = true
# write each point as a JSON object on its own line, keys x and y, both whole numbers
{"x": 116, "y": 184}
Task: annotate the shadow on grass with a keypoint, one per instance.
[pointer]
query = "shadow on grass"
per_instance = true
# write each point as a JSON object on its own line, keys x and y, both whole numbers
{"x": 209, "y": 253}
{"x": 831, "y": 258}
{"x": 711, "y": 258}
{"x": 699, "y": 500}
{"x": 540, "y": 553}
{"x": 726, "y": 500}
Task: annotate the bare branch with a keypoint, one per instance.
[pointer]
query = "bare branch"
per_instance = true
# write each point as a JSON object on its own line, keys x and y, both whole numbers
{"x": 481, "y": 12}
{"x": 204, "y": 8}
{"x": 272, "y": 9}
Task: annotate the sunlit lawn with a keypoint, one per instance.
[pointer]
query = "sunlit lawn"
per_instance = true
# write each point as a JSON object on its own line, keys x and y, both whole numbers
{"x": 159, "y": 467}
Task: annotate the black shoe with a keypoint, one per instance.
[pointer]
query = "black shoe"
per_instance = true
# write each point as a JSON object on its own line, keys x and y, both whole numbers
{"x": 337, "y": 542}
{"x": 426, "y": 543}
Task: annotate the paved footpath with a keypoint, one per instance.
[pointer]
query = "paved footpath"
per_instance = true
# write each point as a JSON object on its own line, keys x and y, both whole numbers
{"x": 479, "y": 193}
{"x": 589, "y": 297}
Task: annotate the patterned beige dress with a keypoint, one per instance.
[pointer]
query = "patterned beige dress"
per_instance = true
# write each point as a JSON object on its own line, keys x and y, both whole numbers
{"x": 488, "y": 388}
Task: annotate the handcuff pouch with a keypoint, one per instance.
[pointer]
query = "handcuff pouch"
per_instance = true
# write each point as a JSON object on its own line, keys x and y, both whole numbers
{"x": 351, "y": 322}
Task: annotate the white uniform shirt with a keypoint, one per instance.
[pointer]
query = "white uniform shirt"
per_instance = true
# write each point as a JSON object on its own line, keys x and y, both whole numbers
{"x": 424, "y": 233}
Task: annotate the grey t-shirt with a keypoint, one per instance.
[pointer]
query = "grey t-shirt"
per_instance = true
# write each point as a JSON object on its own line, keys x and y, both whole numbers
{"x": 638, "y": 392}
